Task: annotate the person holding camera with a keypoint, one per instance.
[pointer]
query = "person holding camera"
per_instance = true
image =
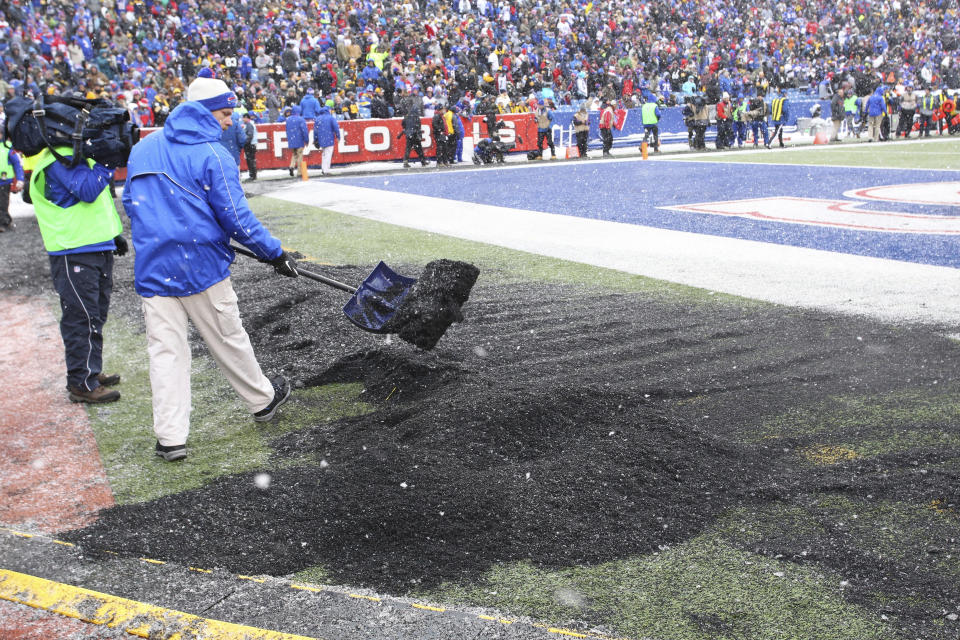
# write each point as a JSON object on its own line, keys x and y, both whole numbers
{"x": 186, "y": 204}
{"x": 81, "y": 233}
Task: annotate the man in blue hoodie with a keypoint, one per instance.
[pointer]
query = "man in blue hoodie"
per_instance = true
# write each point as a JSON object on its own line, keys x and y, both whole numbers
{"x": 297, "y": 137}
{"x": 326, "y": 133}
{"x": 185, "y": 203}
{"x": 876, "y": 108}
{"x": 310, "y": 106}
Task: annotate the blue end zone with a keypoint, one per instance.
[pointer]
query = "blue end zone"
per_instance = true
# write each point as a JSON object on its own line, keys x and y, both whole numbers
{"x": 633, "y": 192}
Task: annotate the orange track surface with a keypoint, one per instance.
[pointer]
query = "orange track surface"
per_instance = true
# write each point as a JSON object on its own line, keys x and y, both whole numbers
{"x": 53, "y": 479}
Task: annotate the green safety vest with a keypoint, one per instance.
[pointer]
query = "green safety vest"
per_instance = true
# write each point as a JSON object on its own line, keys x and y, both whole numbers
{"x": 6, "y": 168}
{"x": 850, "y": 104}
{"x": 648, "y": 113}
{"x": 77, "y": 226}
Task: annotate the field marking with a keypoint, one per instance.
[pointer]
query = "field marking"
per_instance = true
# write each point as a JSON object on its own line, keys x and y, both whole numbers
{"x": 114, "y": 611}
{"x": 884, "y": 289}
{"x": 136, "y": 618}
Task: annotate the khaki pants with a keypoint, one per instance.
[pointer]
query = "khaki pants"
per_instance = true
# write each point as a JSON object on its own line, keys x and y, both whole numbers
{"x": 215, "y": 314}
{"x": 296, "y": 157}
{"x": 875, "y": 127}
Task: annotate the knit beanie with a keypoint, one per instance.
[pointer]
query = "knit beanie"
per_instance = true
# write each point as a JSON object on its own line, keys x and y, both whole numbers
{"x": 212, "y": 93}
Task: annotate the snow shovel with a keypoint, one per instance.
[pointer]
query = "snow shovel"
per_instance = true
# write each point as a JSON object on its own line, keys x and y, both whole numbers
{"x": 374, "y": 303}
{"x": 418, "y": 311}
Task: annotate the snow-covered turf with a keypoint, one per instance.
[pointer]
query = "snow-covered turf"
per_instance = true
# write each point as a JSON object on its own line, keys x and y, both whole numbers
{"x": 890, "y": 290}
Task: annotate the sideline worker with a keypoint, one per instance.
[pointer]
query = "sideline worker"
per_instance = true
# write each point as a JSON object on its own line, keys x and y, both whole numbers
{"x": 81, "y": 233}
{"x": 11, "y": 177}
{"x": 185, "y": 203}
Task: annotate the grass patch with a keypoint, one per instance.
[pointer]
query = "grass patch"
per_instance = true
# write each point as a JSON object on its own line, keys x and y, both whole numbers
{"x": 703, "y": 589}
{"x": 933, "y": 155}
{"x": 224, "y": 439}
{"x": 883, "y": 530}
{"x": 918, "y": 418}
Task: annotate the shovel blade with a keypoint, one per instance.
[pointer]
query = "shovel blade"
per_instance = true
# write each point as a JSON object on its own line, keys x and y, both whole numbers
{"x": 376, "y": 300}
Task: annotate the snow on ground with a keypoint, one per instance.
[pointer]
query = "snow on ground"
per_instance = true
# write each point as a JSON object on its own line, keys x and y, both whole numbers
{"x": 888, "y": 290}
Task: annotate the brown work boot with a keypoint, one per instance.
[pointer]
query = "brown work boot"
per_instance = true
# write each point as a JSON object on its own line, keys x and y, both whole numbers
{"x": 108, "y": 380}
{"x": 99, "y": 395}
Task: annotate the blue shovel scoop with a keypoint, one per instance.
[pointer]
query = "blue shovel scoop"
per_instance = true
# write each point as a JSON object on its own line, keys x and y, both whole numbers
{"x": 374, "y": 303}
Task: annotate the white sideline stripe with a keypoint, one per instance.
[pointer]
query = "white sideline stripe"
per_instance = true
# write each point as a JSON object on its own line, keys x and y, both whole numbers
{"x": 888, "y": 290}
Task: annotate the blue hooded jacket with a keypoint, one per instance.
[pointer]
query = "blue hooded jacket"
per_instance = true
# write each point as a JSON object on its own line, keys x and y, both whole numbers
{"x": 297, "y": 134}
{"x": 876, "y": 105}
{"x": 309, "y": 107}
{"x": 185, "y": 203}
{"x": 326, "y": 131}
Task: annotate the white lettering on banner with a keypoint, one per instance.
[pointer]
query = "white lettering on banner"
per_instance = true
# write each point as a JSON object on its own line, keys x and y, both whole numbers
{"x": 509, "y": 133}
{"x": 941, "y": 193}
{"x": 279, "y": 142}
{"x": 370, "y": 145}
{"x": 827, "y": 213}
{"x": 476, "y": 131}
{"x": 343, "y": 147}
{"x": 426, "y": 133}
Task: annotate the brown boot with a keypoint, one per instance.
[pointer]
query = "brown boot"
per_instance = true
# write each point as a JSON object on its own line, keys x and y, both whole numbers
{"x": 108, "y": 380}
{"x": 97, "y": 396}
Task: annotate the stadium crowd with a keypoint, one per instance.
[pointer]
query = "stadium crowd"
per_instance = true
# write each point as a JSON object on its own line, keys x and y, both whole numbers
{"x": 373, "y": 58}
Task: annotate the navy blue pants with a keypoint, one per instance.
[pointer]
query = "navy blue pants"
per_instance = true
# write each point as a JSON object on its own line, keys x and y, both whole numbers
{"x": 84, "y": 282}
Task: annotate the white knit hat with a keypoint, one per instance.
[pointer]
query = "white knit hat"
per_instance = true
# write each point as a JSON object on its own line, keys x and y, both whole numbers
{"x": 212, "y": 93}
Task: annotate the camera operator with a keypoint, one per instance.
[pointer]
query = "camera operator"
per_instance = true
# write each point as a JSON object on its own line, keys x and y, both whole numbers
{"x": 81, "y": 233}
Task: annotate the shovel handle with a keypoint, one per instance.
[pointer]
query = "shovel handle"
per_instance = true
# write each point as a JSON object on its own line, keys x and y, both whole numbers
{"x": 336, "y": 284}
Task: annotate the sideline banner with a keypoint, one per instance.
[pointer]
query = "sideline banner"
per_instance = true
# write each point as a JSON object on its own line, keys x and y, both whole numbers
{"x": 376, "y": 140}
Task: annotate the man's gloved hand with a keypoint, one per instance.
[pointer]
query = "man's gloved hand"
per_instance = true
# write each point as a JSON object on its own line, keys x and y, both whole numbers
{"x": 285, "y": 265}
{"x": 14, "y": 186}
{"x": 122, "y": 246}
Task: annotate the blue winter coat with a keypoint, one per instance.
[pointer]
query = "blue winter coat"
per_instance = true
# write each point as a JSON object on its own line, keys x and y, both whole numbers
{"x": 234, "y": 137}
{"x": 876, "y": 105}
{"x": 185, "y": 203}
{"x": 326, "y": 131}
{"x": 297, "y": 134}
{"x": 310, "y": 107}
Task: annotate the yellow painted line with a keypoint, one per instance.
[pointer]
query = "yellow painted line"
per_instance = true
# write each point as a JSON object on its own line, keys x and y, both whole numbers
{"x": 4, "y": 580}
{"x": 566, "y": 632}
{"x": 303, "y": 587}
{"x": 493, "y": 619}
{"x": 66, "y": 544}
{"x": 360, "y": 597}
{"x": 135, "y": 618}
